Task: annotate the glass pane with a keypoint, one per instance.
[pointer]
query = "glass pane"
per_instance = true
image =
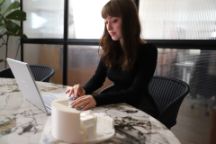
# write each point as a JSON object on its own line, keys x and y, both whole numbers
{"x": 50, "y": 55}
{"x": 85, "y": 19}
{"x": 44, "y": 18}
{"x": 82, "y": 63}
{"x": 174, "y": 19}
{"x": 196, "y": 67}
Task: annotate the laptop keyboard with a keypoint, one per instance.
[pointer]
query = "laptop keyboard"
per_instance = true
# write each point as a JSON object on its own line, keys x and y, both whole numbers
{"x": 49, "y": 97}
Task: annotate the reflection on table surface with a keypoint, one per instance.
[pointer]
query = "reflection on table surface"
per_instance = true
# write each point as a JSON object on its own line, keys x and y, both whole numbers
{"x": 24, "y": 123}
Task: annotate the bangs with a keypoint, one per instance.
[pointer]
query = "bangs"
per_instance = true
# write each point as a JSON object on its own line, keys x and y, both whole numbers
{"x": 111, "y": 9}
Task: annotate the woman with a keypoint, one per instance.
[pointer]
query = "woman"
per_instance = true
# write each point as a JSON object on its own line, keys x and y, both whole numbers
{"x": 127, "y": 61}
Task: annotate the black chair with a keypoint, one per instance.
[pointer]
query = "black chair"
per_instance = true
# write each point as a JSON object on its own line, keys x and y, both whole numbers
{"x": 168, "y": 94}
{"x": 40, "y": 72}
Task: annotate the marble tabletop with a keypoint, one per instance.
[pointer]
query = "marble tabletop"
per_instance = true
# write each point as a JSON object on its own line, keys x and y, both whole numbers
{"x": 21, "y": 122}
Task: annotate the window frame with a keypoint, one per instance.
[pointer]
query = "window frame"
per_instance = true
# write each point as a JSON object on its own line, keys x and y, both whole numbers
{"x": 207, "y": 44}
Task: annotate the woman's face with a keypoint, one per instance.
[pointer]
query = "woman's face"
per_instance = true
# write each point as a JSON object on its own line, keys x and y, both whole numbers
{"x": 113, "y": 26}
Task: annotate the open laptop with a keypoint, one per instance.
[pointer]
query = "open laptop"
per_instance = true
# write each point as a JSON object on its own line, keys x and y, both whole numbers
{"x": 28, "y": 87}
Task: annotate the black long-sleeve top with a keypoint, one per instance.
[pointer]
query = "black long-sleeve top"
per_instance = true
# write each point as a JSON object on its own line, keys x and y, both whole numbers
{"x": 128, "y": 86}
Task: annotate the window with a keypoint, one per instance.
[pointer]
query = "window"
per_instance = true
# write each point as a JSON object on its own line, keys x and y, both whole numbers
{"x": 44, "y": 18}
{"x": 174, "y": 19}
{"x": 85, "y": 21}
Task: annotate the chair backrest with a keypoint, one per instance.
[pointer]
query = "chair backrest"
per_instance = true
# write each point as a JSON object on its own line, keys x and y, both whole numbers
{"x": 168, "y": 94}
{"x": 40, "y": 72}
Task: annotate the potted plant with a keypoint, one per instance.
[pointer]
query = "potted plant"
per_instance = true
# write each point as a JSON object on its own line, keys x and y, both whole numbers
{"x": 11, "y": 17}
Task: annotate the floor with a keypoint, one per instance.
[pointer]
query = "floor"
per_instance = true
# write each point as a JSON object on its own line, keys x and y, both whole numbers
{"x": 193, "y": 124}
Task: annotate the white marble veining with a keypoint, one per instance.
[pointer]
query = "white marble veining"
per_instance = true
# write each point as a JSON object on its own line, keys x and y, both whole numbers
{"x": 25, "y": 123}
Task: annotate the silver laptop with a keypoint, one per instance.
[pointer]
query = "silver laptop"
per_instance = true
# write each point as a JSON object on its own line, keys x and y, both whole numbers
{"x": 28, "y": 87}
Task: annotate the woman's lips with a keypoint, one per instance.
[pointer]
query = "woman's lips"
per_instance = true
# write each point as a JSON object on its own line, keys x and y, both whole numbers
{"x": 112, "y": 33}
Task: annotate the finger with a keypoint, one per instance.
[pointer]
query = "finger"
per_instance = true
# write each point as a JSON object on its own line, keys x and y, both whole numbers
{"x": 79, "y": 103}
{"x": 90, "y": 103}
{"x": 79, "y": 107}
{"x": 71, "y": 98}
{"x": 81, "y": 92}
{"x": 86, "y": 107}
{"x": 70, "y": 104}
{"x": 67, "y": 90}
{"x": 76, "y": 93}
{"x": 71, "y": 92}
{"x": 79, "y": 99}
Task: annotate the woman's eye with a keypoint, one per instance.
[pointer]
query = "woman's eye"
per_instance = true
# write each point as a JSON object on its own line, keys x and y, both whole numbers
{"x": 115, "y": 20}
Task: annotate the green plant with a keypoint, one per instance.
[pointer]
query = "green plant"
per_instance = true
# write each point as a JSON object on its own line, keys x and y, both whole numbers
{"x": 11, "y": 17}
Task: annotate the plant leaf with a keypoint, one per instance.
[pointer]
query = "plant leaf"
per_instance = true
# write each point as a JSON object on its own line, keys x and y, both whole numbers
{"x": 1, "y": 2}
{"x": 1, "y": 19}
{"x": 13, "y": 28}
{"x": 1, "y": 5}
{"x": 23, "y": 36}
{"x": 13, "y": 6}
{"x": 17, "y": 15}
{"x": 1, "y": 23}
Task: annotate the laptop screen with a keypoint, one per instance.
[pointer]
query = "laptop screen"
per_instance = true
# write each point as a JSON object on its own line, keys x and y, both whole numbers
{"x": 26, "y": 83}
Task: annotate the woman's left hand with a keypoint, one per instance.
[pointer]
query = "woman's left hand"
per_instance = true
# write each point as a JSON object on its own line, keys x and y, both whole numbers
{"x": 84, "y": 103}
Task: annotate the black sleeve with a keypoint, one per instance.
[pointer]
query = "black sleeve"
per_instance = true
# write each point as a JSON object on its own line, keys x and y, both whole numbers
{"x": 97, "y": 79}
{"x": 146, "y": 65}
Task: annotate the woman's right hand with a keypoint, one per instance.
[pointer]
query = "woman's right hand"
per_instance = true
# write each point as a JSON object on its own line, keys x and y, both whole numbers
{"x": 75, "y": 91}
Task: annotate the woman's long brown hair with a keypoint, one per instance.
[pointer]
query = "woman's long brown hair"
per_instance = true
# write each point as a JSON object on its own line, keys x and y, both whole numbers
{"x": 113, "y": 54}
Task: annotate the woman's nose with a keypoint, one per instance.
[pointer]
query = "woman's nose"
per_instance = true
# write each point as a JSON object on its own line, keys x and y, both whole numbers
{"x": 109, "y": 26}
